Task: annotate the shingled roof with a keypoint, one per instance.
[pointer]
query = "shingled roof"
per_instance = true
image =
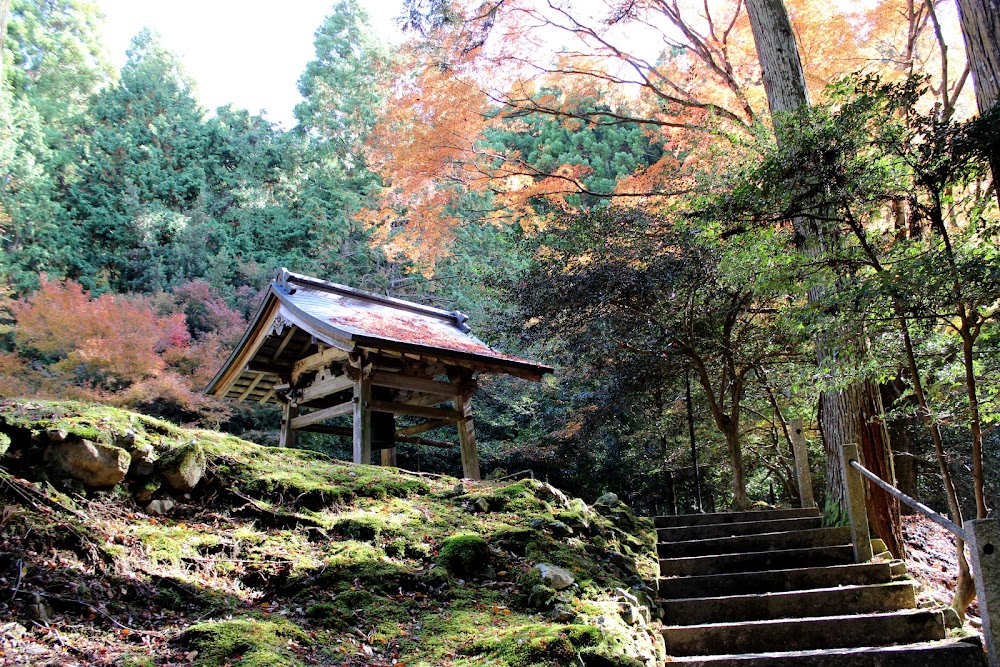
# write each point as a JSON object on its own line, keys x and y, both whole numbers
{"x": 300, "y": 312}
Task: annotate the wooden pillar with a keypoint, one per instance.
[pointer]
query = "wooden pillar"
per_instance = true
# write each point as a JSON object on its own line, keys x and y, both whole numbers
{"x": 286, "y": 438}
{"x": 389, "y": 457}
{"x": 467, "y": 431}
{"x": 854, "y": 484}
{"x": 801, "y": 454}
{"x": 363, "y": 421}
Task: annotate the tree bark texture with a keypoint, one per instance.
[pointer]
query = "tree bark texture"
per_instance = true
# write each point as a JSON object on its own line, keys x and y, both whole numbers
{"x": 981, "y": 29}
{"x": 980, "y": 21}
{"x": 855, "y": 413}
{"x": 4, "y": 12}
{"x": 784, "y": 77}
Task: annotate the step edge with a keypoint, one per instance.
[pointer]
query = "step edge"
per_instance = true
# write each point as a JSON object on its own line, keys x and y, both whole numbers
{"x": 775, "y": 594}
{"x": 797, "y": 532}
{"x": 938, "y": 644}
{"x": 810, "y": 619}
{"x": 801, "y": 550}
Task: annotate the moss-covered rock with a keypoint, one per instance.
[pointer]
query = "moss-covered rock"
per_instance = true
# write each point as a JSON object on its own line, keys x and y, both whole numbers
{"x": 465, "y": 555}
{"x": 183, "y": 467}
{"x": 94, "y": 464}
{"x": 244, "y": 643}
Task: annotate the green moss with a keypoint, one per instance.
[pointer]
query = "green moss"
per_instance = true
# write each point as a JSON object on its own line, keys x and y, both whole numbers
{"x": 244, "y": 643}
{"x": 4, "y": 443}
{"x": 465, "y": 555}
{"x": 536, "y": 645}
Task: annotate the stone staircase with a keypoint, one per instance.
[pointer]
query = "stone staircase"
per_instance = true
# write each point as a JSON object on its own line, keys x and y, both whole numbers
{"x": 773, "y": 588}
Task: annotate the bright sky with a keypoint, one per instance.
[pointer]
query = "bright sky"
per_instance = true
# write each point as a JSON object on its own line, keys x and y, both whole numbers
{"x": 246, "y": 52}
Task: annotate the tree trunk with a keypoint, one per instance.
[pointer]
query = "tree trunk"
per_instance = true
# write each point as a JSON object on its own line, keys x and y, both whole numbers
{"x": 981, "y": 28}
{"x": 4, "y": 12}
{"x": 906, "y": 449}
{"x": 781, "y": 67}
{"x": 854, "y": 414}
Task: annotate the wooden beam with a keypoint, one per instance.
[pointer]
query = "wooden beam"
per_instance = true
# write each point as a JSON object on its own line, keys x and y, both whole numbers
{"x": 362, "y": 434}
{"x": 410, "y": 383}
{"x": 428, "y": 400}
{"x": 467, "y": 433}
{"x": 248, "y": 351}
{"x": 422, "y": 428}
{"x": 323, "y": 415}
{"x": 267, "y": 368}
{"x": 415, "y": 410}
{"x": 314, "y": 361}
{"x": 267, "y": 396}
{"x": 286, "y": 438}
{"x": 326, "y": 387}
{"x": 285, "y": 340}
{"x": 251, "y": 387}
{"x": 389, "y": 457}
{"x": 349, "y": 432}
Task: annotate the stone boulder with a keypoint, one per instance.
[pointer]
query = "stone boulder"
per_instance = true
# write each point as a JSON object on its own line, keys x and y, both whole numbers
{"x": 555, "y": 577}
{"x": 94, "y": 464}
{"x": 184, "y": 467}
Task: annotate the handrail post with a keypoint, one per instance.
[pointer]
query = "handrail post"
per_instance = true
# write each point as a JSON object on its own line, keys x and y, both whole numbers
{"x": 854, "y": 485}
{"x": 983, "y": 538}
{"x": 801, "y": 454}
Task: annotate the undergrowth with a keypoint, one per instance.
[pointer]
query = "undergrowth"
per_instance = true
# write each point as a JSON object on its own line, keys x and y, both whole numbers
{"x": 286, "y": 557}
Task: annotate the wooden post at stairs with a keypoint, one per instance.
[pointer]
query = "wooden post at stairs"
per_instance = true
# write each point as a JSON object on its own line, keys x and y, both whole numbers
{"x": 467, "y": 431}
{"x": 363, "y": 421}
{"x": 854, "y": 484}
{"x": 801, "y": 454}
{"x": 286, "y": 437}
{"x": 983, "y": 539}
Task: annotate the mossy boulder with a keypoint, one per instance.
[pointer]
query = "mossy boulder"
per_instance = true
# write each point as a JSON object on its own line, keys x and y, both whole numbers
{"x": 465, "y": 555}
{"x": 244, "y": 643}
{"x": 94, "y": 464}
{"x": 184, "y": 467}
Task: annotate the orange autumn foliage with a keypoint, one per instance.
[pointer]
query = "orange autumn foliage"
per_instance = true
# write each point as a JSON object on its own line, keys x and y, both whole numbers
{"x": 111, "y": 340}
{"x": 685, "y": 70}
{"x": 129, "y": 350}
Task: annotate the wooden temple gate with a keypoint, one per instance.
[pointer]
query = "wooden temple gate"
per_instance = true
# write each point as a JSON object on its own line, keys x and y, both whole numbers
{"x": 324, "y": 350}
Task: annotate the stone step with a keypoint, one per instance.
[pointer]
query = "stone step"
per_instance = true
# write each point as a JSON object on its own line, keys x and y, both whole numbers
{"x": 804, "y": 634}
{"x": 792, "y": 539}
{"x": 947, "y": 653}
{"x": 685, "y": 533}
{"x": 734, "y": 517}
{"x": 841, "y": 600}
{"x": 756, "y": 561}
{"x": 775, "y": 580}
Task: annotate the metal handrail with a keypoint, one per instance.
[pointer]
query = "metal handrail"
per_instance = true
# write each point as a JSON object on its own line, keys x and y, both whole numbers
{"x": 939, "y": 519}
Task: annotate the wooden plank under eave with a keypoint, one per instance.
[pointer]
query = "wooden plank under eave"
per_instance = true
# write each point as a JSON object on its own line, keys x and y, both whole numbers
{"x": 325, "y": 388}
{"x": 423, "y": 428}
{"x": 323, "y": 415}
{"x": 410, "y": 383}
{"x": 415, "y": 410}
{"x": 247, "y": 352}
{"x": 314, "y": 361}
{"x": 251, "y": 387}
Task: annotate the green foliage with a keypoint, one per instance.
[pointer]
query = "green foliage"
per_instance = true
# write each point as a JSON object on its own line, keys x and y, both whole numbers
{"x": 606, "y": 152}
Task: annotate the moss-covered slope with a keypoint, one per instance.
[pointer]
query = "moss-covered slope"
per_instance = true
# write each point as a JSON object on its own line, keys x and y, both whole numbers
{"x": 286, "y": 557}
